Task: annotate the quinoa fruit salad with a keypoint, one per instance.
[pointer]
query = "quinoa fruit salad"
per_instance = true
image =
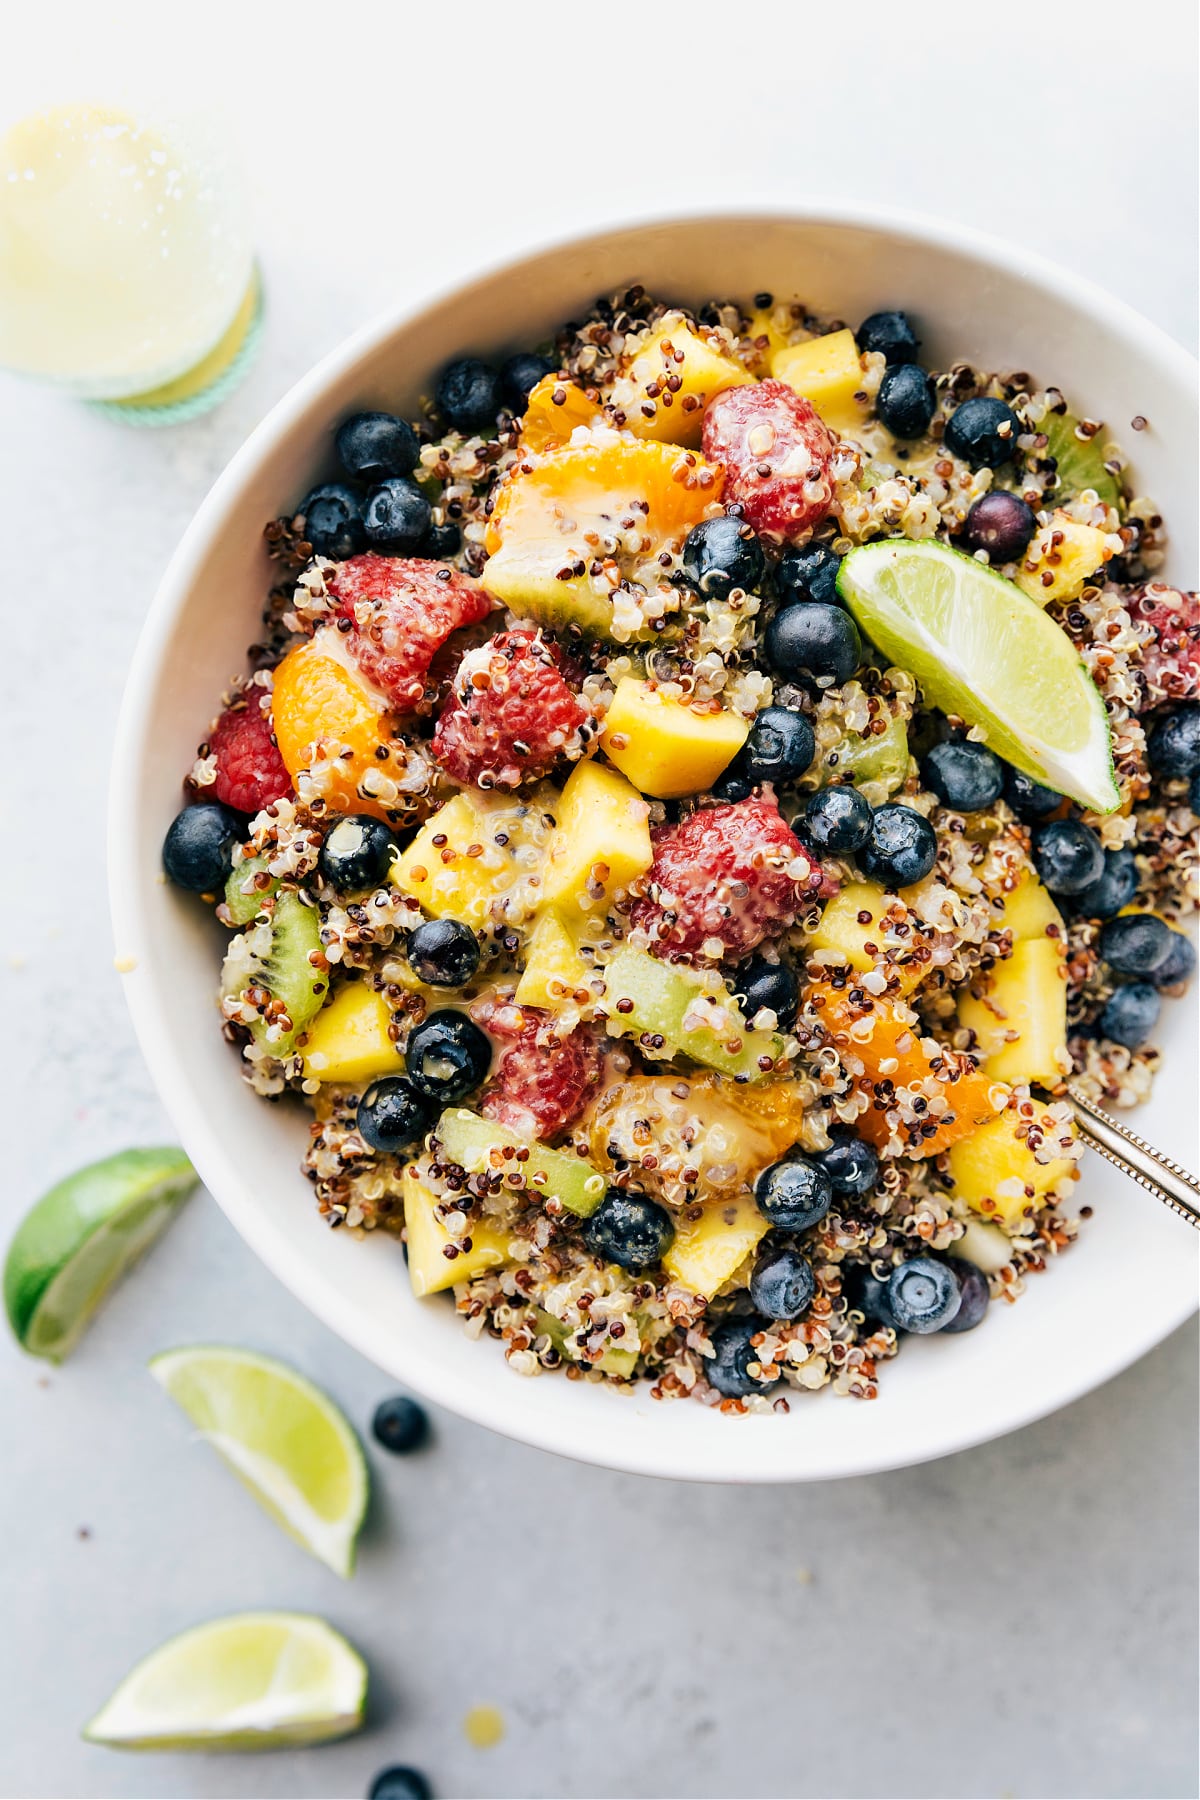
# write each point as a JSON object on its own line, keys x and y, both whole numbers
{"x": 702, "y": 789}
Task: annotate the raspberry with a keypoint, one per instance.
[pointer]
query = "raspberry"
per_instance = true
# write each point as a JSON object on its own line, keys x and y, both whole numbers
{"x": 509, "y": 716}
{"x": 250, "y": 770}
{"x": 728, "y": 876}
{"x": 776, "y": 453}
{"x": 1171, "y": 656}
{"x": 402, "y": 611}
{"x": 542, "y": 1082}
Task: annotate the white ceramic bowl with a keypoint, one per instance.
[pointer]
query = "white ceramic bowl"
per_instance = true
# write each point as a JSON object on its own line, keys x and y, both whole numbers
{"x": 1130, "y": 1280}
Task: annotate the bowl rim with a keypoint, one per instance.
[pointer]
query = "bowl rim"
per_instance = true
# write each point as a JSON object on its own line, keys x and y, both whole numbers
{"x": 652, "y": 1453}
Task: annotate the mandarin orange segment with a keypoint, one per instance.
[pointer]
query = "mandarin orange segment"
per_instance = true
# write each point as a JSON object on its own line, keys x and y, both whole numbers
{"x": 329, "y": 728}
{"x": 554, "y": 409}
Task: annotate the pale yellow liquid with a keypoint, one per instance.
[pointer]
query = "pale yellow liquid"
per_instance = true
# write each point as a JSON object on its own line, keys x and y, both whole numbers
{"x": 123, "y": 258}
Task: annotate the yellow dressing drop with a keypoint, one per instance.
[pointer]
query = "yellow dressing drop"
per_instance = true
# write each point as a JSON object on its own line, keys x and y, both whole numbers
{"x": 484, "y": 1727}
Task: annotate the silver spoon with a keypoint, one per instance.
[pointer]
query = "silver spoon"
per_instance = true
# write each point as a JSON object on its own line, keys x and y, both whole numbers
{"x": 1174, "y": 1186}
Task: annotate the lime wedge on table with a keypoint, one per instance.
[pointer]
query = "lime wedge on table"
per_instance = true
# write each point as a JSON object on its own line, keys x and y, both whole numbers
{"x": 982, "y": 649}
{"x": 282, "y": 1437}
{"x": 78, "y": 1239}
{"x": 251, "y": 1681}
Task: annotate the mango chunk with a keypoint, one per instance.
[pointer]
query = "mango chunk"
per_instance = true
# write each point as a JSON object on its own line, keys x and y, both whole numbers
{"x": 601, "y": 843}
{"x": 429, "y": 1269}
{"x": 349, "y": 1041}
{"x": 468, "y": 874}
{"x": 997, "y": 1174}
{"x": 1027, "y": 994}
{"x": 843, "y": 927}
{"x": 668, "y": 749}
{"x": 674, "y": 352}
{"x": 555, "y": 973}
{"x": 1029, "y": 910}
{"x": 768, "y": 330}
{"x": 1062, "y": 559}
{"x": 828, "y": 371}
{"x": 708, "y": 1251}
{"x": 477, "y": 1144}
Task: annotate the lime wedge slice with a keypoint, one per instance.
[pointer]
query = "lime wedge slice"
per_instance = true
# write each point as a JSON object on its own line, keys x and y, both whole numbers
{"x": 283, "y": 1438}
{"x": 75, "y": 1243}
{"x": 980, "y": 648}
{"x": 250, "y": 1681}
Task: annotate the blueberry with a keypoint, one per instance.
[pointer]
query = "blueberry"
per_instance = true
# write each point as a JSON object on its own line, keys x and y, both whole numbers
{"x": 447, "y": 1056}
{"x": 813, "y": 642}
{"x": 973, "y": 1295}
{"x": 198, "y": 849}
{"x": 923, "y": 1295}
{"x": 1027, "y": 797}
{"x": 1194, "y": 793}
{"x": 837, "y": 821}
{"x": 780, "y": 746}
{"x": 782, "y": 1283}
{"x": 794, "y": 1194}
{"x": 891, "y": 334}
{"x": 720, "y": 555}
{"x": 373, "y": 445}
{"x": 333, "y": 521}
{"x": 983, "y": 433}
{"x": 397, "y": 516}
{"x": 392, "y": 1115}
{"x": 443, "y": 953}
{"x": 520, "y": 375}
{"x": 357, "y": 854}
{"x": 1179, "y": 964}
{"x": 1113, "y": 888}
{"x": 1136, "y": 944}
{"x": 1131, "y": 1015}
{"x": 468, "y": 395}
{"x": 964, "y": 775}
{"x": 901, "y": 849}
{"x": 760, "y": 983}
{"x": 865, "y": 1293}
{"x": 852, "y": 1167}
{"x": 1173, "y": 746}
{"x": 1068, "y": 855}
{"x": 440, "y": 542}
{"x": 726, "y": 1369}
{"x": 400, "y": 1425}
{"x": 906, "y": 401}
{"x": 808, "y": 572}
{"x": 630, "y": 1230}
{"x": 400, "y": 1783}
{"x": 1002, "y": 524}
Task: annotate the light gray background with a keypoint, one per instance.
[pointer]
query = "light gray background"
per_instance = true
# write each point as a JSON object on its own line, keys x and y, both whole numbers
{"x": 1019, "y": 1620}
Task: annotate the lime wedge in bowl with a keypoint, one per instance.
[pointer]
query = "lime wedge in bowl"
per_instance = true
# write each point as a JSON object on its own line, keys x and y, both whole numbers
{"x": 982, "y": 649}
{"x": 81, "y": 1237}
{"x": 250, "y": 1681}
{"x": 283, "y": 1438}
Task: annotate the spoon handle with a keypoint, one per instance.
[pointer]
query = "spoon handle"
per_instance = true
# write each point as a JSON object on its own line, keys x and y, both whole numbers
{"x": 1165, "y": 1179}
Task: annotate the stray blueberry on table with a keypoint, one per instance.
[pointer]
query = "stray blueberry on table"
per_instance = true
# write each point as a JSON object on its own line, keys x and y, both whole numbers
{"x": 1178, "y": 965}
{"x": 901, "y": 848}
{"x": 1173, "y": 745}
{"x": 1136, "y": 944}
{"x": 973, "y": 1295}
{"x": 891, "y": 335}
{"x": 923, "y": 1295}
{"x": 759, "y": 983}
{"x": 468, "y": 395}
{"x": 964, "y": 775}
{"x": 813, "y": 643}
{"x": 727, "y": 1369}
{"x": 1130, "y": 1015}
{"x": 198, "y": 849}
{"x": 1028, "y": 798}
{"x": 520, "y": 375}
{"x": 1112, "y": 889}
{"x": 983, "y": 433}
{"x": 357, "y": 855}
{"x": 722, "y": 554}
{"x": 794, "y": 1195}
{"x": 807, "y": 572}
{"x": 1068, "y": 855}
{"x": 781, "y": 745}
{"x": 373, "y": 445}
{"x": 836, "y": 821}
{"x": 397, "y": 516}
{"x": 392, "y": 1115}
{"x": 400, "y": 1783}
{"x": 630, "y": 1230}
{"x": 1002, "y": 524}
{"x": 852, "y": 1167}
{"x": 906, "y": 401}
{"x": 782, "y": 1283}
{"x": 400, "y": 1425}
{"x": 443, "y": 953}
{"x": 447, "y": 1056}
{"x": 333, "y": 521}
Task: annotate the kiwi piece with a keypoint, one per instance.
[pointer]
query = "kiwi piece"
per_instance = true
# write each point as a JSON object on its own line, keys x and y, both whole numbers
{"x": 286, "y": 969}
{"x": 1080, "y": 460}
{"x": 244, "y": 907}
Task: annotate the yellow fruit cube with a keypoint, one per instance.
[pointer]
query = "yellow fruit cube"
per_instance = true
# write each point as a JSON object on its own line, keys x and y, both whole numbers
{"x": 842, "y": 927}
{"x": 470, "y": 872}
{"x": 1027, "y": 995}
{"x": 768, "y": 330}
{"x": 429, "y": 1269}
{"x": 708, "y": 1251}
{"x": 668, "y": 749}
{"x": 555, "y": 973}
{"x": 674, "y": 351}
{"x": 1061, "y": 559}
{"x": 602, "y": 840}
{"x": 349, "y": 1041}
{"x": 828, "y": 371}
{"x": 1029, "y": 909}
{"x": 997, "y": 1174}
